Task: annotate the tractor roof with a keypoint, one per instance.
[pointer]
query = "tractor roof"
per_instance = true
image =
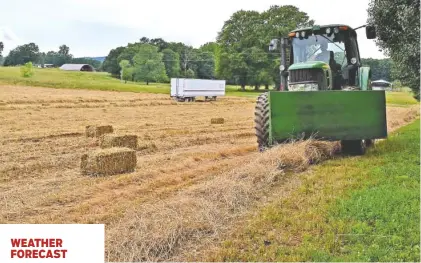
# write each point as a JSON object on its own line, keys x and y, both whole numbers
{"x": 324, "y": 26}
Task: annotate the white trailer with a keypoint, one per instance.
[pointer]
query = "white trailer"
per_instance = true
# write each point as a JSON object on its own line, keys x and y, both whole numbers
{"x": 189, "y": 89}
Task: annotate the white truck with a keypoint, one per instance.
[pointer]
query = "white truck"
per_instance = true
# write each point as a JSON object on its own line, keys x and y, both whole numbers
{"x": 189, "y": 89}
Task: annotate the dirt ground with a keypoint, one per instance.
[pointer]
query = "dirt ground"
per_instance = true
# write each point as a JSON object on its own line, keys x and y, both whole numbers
{"x": 42, "y": 140}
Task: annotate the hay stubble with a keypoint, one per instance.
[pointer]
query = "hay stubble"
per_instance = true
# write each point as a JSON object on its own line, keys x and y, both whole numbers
{"x": 192, "y": 178}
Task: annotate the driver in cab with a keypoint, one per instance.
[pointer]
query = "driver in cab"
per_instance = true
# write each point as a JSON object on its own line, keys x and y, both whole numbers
{"x": 325, "y": 54}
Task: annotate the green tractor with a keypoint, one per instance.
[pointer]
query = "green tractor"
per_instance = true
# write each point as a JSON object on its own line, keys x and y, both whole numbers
{"x": 325, "y": 92}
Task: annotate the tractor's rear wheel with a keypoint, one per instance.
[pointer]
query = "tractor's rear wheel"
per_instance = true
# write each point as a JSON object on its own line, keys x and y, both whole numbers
{"x": 261, "y": 119}
{"x": 353, "y": 147}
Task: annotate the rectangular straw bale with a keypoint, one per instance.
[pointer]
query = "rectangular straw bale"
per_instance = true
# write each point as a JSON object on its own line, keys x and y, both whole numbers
{"x": 114, "y": 140}
{"x": 108, "y": 162}
{"x": 97, "y": 131}
{"x": 217, "y": 121}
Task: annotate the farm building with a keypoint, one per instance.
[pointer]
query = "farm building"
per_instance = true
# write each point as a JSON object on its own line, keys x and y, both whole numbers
{"x": 77, "y": 67}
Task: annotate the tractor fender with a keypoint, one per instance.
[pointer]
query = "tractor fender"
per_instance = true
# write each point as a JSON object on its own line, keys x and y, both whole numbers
{"x": 364, "y": 74}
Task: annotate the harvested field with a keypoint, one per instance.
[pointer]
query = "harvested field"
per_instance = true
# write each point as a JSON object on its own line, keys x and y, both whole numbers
{"x": 192, "y": 178}
{"x": 115, "y": 140}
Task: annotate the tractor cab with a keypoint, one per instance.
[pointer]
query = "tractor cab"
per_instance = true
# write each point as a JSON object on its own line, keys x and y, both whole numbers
{"x": 323, "y": 58}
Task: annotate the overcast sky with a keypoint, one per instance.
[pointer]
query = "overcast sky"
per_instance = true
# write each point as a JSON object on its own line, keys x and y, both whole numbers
{"x": 93, "y": 27}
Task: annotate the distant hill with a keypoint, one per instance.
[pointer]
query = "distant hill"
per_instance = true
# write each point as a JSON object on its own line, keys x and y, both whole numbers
{"x": 100, "y": 59}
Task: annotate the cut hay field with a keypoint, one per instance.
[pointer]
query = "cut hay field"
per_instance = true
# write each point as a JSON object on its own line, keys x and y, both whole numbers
{"x": 193, "y": 179}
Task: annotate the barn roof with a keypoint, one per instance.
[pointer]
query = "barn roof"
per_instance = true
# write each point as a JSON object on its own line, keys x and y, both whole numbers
{"x": 75, "y": 66}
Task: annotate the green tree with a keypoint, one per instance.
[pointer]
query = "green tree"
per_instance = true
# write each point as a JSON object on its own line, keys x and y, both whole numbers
{"x": 111, "y": 62}
{"x": 126, "y": 70}
{"x": 172, "y": 63}
{"x": 251, "y": 31}
{"x": 203, "y": 64}
{"x": 278, "y": 22}
{"x": 148, "y": 65}
{"x": 399, "y": 37}
{"x": 59, "y": 58}
{"x": 23, "y": 54}
{"x": 214, "y": 49}
{"x": 1, "y": 51}
{"x": 190, "y": 74}
{"x": 64, "y": 50}
{"x": 27, "y": 70}
{"x": 160, "y": 43}
{"x": 380, "y": 68}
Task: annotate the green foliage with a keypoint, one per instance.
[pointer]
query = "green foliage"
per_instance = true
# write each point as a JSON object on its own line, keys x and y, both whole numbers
{"x": 1, "y": 48}
{"x": 189, "y": 74}
{"x": 148, "y": 65}
{"x": 172, "y": 63}
{"x": 126, "y": 70}
{"x": 27, "y": 70}
{"x": 380, "y": 68}
{"x": 243, "y": 57}
{"x": 205, "y": 64}
{"x": 399, "y": 37}
{"x": 110, "y": 63}
{"x": 23, "y": 54}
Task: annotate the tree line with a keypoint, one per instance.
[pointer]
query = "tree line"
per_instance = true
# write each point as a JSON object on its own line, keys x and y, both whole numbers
{"x": 30, "y": 53}
{"x": 240, "y": 53}
{"x": 155, "y": 60}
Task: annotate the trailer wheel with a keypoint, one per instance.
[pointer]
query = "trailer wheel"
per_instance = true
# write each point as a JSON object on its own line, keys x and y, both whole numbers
{"x": 261, "y": 119}
{"x": 353, "y": 147}
{"x": 214, "y": 97}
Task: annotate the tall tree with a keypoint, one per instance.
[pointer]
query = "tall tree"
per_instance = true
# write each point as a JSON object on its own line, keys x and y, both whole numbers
{"x": 148, "y": 65}
{"x": 205, "y": 64}
{"x": 59, "y": 58}
{"x": 172, "y": 63}
{"x": 250, "y": 31}
{"x": 278, "y": 22}
{"x": 160, "y": 43}
{"x": 126, "y": 70}
{"x": 23, "y": 54}
{"x": 111, "y": 62}
{"x": 399, "y": 37}
{"x": 64, "y": 50}
{"x": 1, "y": 51}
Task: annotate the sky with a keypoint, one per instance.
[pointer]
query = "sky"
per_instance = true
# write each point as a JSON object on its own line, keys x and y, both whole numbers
{"x": 94, "y": 27}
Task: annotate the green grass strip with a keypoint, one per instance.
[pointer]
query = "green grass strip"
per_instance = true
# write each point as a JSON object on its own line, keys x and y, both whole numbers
{"x": 349, "y": 209}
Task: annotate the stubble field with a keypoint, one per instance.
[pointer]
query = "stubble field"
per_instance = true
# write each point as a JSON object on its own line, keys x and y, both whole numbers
{"x": 192, "y": 180}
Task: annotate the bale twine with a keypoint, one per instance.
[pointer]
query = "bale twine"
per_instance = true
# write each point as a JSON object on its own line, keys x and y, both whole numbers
{"x": 114, "y": 140}
{"x": 108, "y": 162}
{"x": 97, "y": 131}
{"x": 217, "y": 121}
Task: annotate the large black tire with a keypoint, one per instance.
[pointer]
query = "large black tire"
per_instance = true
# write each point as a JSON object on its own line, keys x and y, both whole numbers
{"x": 261, "y": 119}
{"x": 353, "y": 147}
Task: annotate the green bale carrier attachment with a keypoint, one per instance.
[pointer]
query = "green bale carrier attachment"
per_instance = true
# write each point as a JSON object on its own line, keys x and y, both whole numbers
{"x": 355, "y": 118}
